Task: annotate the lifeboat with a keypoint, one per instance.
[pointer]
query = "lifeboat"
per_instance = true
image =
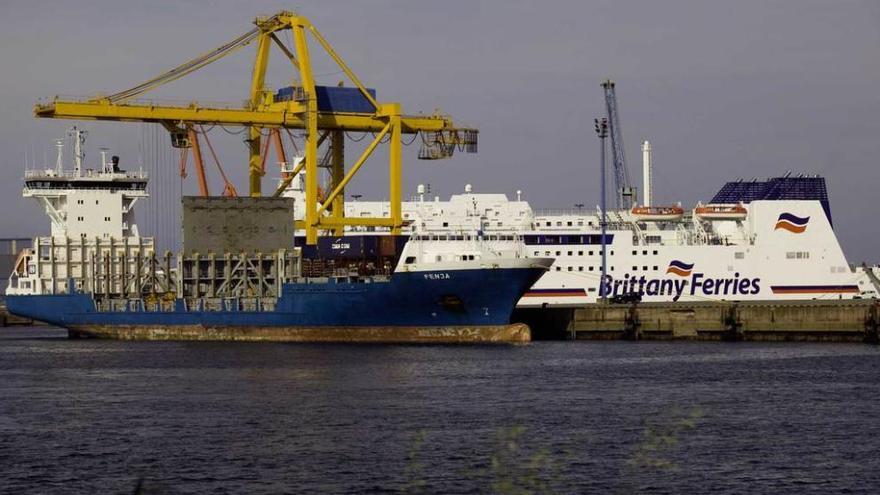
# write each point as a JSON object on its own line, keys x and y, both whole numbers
{"x": 721, "y": 212}
{"x": 658, "y": 213}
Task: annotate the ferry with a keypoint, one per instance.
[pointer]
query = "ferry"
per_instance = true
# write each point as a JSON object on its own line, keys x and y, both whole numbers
{"x": 97, "y": 276}
{"x": 769, "y": 239}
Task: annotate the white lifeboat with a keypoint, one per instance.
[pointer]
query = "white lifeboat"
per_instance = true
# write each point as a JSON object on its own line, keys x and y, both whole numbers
{"x": 658, "y": 213}
{"x": 721, "y": 212}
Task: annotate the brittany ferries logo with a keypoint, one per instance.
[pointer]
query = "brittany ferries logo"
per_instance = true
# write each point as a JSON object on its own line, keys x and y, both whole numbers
{"x": 791, "y": 223}
{"x": 685, "y": 282}
{"x": 680, "y": 268}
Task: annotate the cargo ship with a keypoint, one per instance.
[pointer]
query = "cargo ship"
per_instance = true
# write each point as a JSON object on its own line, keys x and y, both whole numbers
{"x": 96, "y": 276}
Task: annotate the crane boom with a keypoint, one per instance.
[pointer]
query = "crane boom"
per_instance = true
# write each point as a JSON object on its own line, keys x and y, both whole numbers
{"x": 625, "y": 192}
{"x": 303, "y": 106}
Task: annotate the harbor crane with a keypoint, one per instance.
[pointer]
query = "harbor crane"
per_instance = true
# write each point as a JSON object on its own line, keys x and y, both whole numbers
{"x": 625, "y": 192}
{"x": 324, "y": 113}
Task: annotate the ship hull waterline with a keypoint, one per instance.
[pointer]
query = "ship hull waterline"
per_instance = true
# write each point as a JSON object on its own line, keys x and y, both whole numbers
{"x": 510, "y": 333}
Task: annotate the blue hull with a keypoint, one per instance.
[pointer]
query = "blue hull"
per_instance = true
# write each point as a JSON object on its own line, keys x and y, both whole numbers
{"x": 452, "y": 298}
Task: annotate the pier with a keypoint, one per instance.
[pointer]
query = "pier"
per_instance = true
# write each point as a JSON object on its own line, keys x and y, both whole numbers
{"x": 851, "y": 320}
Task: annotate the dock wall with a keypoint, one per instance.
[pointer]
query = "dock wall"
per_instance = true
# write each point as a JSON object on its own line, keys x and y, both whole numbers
{"x": 812, "y": 321}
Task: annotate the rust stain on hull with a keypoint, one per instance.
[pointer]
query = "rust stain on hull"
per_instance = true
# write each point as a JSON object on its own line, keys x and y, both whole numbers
{"x": 513, "y": 333}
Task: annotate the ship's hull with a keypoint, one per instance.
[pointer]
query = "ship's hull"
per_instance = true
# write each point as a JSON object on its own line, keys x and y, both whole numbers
{"x": 516, "y": 332}
{"x": 441, "y": 305}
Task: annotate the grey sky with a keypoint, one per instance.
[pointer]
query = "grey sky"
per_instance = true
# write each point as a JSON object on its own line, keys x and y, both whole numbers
{"x": 722, "y": 89}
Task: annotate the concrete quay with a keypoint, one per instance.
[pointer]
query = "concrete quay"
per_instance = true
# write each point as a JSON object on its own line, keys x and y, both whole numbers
{"x": 794, "y": 321}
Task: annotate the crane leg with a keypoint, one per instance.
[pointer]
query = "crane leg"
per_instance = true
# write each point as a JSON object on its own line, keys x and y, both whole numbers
{"x": 394, "y": 170}
{"x": 275, "y": 136}
{"x": 197, "y": 161}
{"x": 337, "y": 172}
{"x": 255, "y": 161}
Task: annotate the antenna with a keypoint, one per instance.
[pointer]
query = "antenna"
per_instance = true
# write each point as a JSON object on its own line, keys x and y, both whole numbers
{"x": 647, "y": 173}
{"x": 79, "y": 138}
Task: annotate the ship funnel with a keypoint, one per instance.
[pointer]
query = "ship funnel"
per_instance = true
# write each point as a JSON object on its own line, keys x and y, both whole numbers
{"x": 421, "y": 191}
{"x": 647, "y": 172}
{"x": 468, "y": 188}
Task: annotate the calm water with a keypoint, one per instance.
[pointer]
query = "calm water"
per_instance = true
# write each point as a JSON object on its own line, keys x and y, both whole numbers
{"x": 565, "y": 417}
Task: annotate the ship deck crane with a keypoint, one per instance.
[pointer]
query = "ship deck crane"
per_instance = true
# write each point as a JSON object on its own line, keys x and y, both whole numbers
{"x": 625, "y": 192}
{"x": 301, "y": 110}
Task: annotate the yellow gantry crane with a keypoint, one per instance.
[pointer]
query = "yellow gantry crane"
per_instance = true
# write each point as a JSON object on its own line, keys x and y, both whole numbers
{"x": 321, "y": 111}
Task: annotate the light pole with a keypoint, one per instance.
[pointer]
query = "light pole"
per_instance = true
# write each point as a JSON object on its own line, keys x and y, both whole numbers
{"x": 602, "y": 132}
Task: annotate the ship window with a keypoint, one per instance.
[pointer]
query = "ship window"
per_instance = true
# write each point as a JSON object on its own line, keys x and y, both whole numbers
{"x": 558, "y": 268}
{"x": 635, "y": 268}
{"x": 438, "y": 258}
{"x": 635, "y": 253}
{"x": 739, "y": 255}
{"x": 655, "y": 252}
{"x": 580, "y": 268}
{"x": 559, "y": 224}
{"x": 410, "y": 260}
{"x": 569, "y": 224}
{"x": 612, "y": 252}
{"x": 645, "y": 253}
{"x": 548, "y": 224}
{"x": 645, "y": 268}
{"x": 536, "y": 253}
{"x": 571, "y": 268}
{"x": 580, "y": 224}
{"x": 558, "y": 253}
{"x": 446, "y": 224}
{"x": 570, "y": 253}
{"x": 96, "y": 201}
{"x": 655, "y": 268}
{"x": 591, "y": 253}
{"x": 591, "y": 268}
{"x": 546, "y": 253}
{"x": 592, "y": 289}
{"x": 580, "y": 253}
{"x": 612, "y": 268}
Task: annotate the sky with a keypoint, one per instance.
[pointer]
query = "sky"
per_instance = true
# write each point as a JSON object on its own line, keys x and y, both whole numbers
{"x": 723, "y": 90}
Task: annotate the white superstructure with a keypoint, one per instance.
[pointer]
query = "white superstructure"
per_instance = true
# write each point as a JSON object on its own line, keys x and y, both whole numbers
{"x": 91, "y": 211}
{"x": 780, "y": 249}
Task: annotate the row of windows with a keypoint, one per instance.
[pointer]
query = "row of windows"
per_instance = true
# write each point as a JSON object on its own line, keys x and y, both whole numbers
{"x": 610, "y": 268}
{"x": 81, "y": 219}
{"x": 797, "y": 255}
{"x": 594, "y": 239}
{"x": 644, "y": 252}
{"x": 571, "y": 253}
{"x": 580, "y": 223}
{"x": 451, "y": 237}
{"x": 589, "y": 268}
{"x": 82, "y": 202}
